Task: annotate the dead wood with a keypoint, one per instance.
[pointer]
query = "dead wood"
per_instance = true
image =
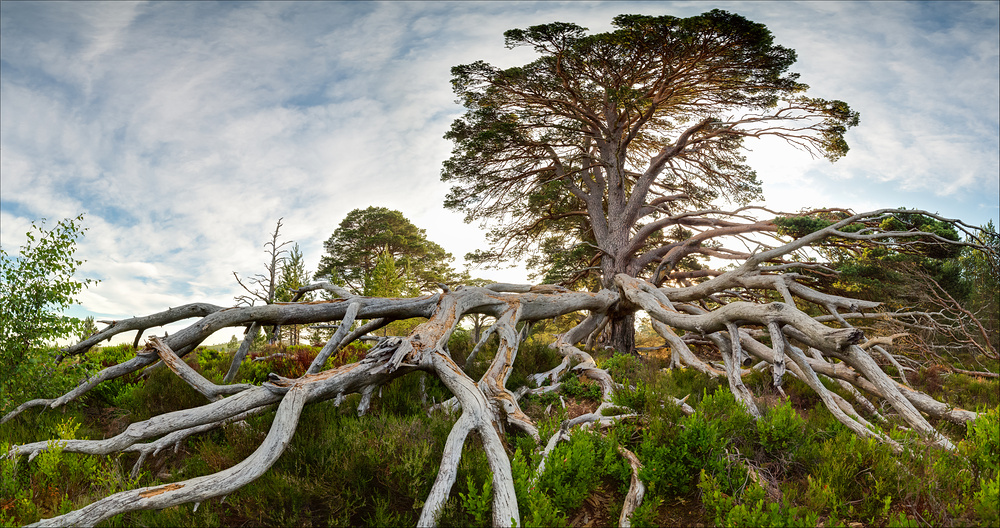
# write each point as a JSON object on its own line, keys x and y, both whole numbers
{"x": 804, "y": 346}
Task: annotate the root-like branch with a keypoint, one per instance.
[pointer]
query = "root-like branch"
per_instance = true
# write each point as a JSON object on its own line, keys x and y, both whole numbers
{"x": 197, "y": 489}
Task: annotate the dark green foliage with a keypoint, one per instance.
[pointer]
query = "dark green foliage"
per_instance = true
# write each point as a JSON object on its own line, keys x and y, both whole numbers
{"x": 479, "y": 502}
{"x": 54, "y": 482}
{"x": 541, "y": 146}
{"x": 674, "y": 451}
{"x": 983, "y": 444}
{"x": 353, "y": 249}
{"x": 800, "y": 226}
{"x": 537, "y": 508}
{"x": 574, "y": 388}
{"x": 751, "y": 508}
{"x": 652, "y": 392}
{"x": 574, "y": 470}
{"x": 781, "y": 431}
{"x": 116, "y": 391}
{"x": 571, "y": 472}
{"x": 401, "y": 397}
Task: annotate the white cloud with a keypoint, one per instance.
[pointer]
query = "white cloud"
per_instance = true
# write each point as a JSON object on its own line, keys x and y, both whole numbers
{"x": 185, "y": 130}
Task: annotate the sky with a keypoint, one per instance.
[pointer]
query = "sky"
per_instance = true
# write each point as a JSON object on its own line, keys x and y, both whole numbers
{"x": 185, "y": 130}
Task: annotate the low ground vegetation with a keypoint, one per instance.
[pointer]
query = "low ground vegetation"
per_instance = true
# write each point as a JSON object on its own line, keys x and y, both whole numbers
{"x": 796, "y": 466}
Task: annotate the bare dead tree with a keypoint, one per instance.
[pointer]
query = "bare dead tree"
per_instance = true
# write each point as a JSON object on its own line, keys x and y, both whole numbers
{"x": 756, "y": 311}
{"x": 262, "y": 289}
{"x": 950, "y": 326}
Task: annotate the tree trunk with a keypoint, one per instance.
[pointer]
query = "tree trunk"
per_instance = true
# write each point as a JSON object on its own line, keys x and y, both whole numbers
{"x": 620, "y": 333}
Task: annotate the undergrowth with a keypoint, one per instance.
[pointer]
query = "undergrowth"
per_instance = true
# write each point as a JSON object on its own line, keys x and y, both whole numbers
{"x": 796, "y": 466}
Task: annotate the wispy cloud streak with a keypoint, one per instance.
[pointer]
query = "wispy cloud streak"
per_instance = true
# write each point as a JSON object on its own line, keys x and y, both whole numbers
{"x": 185, "y": 130}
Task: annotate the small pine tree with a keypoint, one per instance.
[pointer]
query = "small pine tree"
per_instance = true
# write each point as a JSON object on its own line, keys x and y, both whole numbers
{"x": 384, "y": 280}
{"x": 292, "y": 277}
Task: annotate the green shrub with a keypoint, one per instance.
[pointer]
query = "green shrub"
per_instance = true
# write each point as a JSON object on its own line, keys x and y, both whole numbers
{"x": 982, "y": 449}
{"x": 820, "y": 496}
{"x": 982, "y": 444}
{"x": 781, "y": 430}
{"x": 536, "y": 508}
{"x": 985, "y": 502}
{"x": 634, "y": 397}
{"x": 674, "y": 450}
{"x": 574, "y": 388}
{"x": 624, "y": 368}
{"x": 672, "y": 458}
{"x": 733, "y": 421}
{"x": 117, "y": 391}
{"x": 751, "y": 508}
{"x": 573, "y": 470}
{"x": 479, "y": 501}
{"x": 645, "y": 515}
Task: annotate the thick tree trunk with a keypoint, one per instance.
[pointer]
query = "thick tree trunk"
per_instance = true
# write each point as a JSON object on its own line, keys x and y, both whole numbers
{"x": 620, "y": 333}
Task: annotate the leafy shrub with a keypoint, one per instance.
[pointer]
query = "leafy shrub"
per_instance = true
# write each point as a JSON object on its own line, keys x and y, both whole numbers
{"x": 674, "y": 451}
{"x": 751, "y": 508}
{"x": 634, "y": 397}
{"x": 114, "y": 391}
{"x": 867, "y": 476}
{"x": 645, "y": 515}
{"x": 572, "y": 470}
{"x": 733, "y": 421}
{"x": 479, "y": 501}
{"x": 982, "y": 447}
{"x": 624, "y": 368}
{"x": 18, "y": 495}
{"x": 536, "y": 508}
{"x": 672, "y": 458}
{"x": 574, "y": 388}
{"x": 982, "y": 444}
{"x": 55, "y": 482}
{"x": 820, "y": 496}
{"x": 986, "y": 503}
{"x": 781, "y": 430}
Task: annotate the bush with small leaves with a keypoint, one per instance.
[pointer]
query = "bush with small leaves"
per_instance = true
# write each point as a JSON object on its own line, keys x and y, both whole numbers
{"x": 479, "y": 501}
{"x": 536, "y": 508}
{"x": 750, "y": 508}
{"x": 574, "y": 388}
{"x": 624, "y": 368}
{"x": 781, "y": 429}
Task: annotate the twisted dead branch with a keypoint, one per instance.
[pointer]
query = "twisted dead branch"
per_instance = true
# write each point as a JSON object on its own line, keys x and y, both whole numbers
{"x": 779, "y": 335}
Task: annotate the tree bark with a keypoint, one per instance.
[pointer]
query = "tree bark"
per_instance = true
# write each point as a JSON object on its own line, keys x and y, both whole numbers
{"x": 620, "y": 333}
